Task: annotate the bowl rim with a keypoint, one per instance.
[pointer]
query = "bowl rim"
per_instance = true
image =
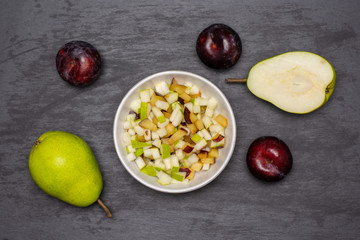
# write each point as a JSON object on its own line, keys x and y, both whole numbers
{"x": 159, "y": 188}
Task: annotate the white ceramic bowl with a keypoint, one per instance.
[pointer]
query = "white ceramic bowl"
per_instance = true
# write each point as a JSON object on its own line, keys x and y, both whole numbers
{"x": 207, "y": 89}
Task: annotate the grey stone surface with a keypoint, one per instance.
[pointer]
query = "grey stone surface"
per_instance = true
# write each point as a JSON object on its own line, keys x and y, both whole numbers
{"x": 318, "y": 200}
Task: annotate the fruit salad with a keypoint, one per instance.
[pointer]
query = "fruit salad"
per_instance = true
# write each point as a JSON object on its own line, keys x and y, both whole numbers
{"x": 173, "y": 131}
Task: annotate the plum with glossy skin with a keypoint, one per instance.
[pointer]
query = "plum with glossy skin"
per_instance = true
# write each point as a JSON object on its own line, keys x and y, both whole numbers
{"x": 219, "y": 46}
{"x": 78, "y": 63}
{"x": 269, "y": 158}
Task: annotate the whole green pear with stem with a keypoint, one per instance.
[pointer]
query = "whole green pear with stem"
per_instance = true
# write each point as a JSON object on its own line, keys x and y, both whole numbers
{"x": 63, "y": 165}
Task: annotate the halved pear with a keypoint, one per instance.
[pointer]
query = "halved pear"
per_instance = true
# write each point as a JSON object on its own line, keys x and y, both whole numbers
{"x": 296, "y": 82}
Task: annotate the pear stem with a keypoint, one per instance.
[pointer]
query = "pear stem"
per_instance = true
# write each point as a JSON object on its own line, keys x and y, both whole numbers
{"x": 236, "y": 80}
{"x": 106, "y": 209}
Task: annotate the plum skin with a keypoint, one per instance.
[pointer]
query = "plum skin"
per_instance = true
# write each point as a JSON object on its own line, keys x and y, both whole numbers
{"x": 219, "y": 46}
{"x": 78, "y": 63}
{"x": 269, "y": 159}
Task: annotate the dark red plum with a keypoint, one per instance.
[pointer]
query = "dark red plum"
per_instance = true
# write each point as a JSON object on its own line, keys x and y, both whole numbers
{"x": 269, "y": 158}
{"x": 78, "y": 63}
{"x": 219, "y": 46}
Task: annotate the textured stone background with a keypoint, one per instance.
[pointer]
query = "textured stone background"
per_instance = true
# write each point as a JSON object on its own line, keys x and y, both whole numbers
{"x": 318, "y": 200}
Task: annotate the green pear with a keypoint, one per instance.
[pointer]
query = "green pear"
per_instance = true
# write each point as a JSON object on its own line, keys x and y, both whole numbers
{"x": 296, "y": 82}
{"x": 63, "y": 165}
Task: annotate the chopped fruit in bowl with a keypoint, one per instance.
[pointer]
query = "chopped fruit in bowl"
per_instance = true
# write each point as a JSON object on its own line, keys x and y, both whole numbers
{"x": 165, "y": 115}
{"x": 170, "y": 131}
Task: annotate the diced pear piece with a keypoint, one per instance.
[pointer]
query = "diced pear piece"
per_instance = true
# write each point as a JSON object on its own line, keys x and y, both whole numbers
{"x": 199, "y": 124}
{"x": 179, "y": 154}
{"x": 149, "y": 170}
{"x": 179, "y": 176}
{"x": 131, "y": 132}
{"x": 164, "y": 178}
{"x": 127, "y": 125}
{"x": 196, "y": 138}
{"x": 159, "y": 165}
{"x": 170, "y": 130}
{"x": 174, "y": 161}
{"x": 154, "y": 135}
{"x": 187, "y": 130}
{"x": 202, "y": 155}
{"x": 130, "y": 149}
{"x": 193, "y": 158}
{"x": 145, "y": 95}
{"x": 143, "y": 110}
{"x": 147, "y": 153}
{"x": 200, "y": 144}
{"x": 162, "y": 88}
{"x": 165, "y": 151}
{"x": 167, "y": 162}
{"x": 212, "y": 103}
{"x": 220, "y": 119}
{"x": 196, "y": 166}
{"x": 180, "y": 89}
{"x": 214, "y": 153}
{"x": 176, "y": 105}
{"x": 192, "y": 128}
{"x": 206, "y": 134}
{"x": 209, "y": 112}
{"x": 208, "y": 160}
{"x": 173, "y": 82}
{"x": 135, "y": 105}
{"x": 156, "y": 98}
{"x": 167, "y": 115}
{"x": 162, "y": 105}
{"x": 176, "y": 117}
{"x": 189, "y": 106}
{"x": 163, "y": 124}
{"x": 155, "y": 153}
{"x": 216, "y": 128}
{"x": 219, "y": 144}
{"x": 196, "y": 109}
{"x": 205, "y": 167}
{"x": 179, "y": 144}
{"x": 137, "y": 144}
{"x": 161, "y": 132}
{"x": 126, "y": 138}
{"x": 194, "y": 90}
{"x": 139, "y": 130}
{"x": 171, "y": 97}
{"x": 158, "y": 114}
{"x": 141, "y": 138}
{"x": 139, "y": 151}
{"x": 140, "y": 163}
{"x": 201, "y": 101}
{"x": 184, "y": 96}
{"x": 131, "y": 157}
{"x": 157, "y": 143}
{"x": 147, "y": 135}
{"x": 148, "y": 124}
{"x": 177, "y": 136}
{"x": 193, "y": 117}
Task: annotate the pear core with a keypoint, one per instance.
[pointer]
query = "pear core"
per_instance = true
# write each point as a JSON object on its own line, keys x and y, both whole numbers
{"x": 296, "y": 82}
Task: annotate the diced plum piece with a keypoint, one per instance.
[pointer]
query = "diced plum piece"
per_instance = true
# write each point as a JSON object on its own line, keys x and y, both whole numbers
{"x": 187, "y": 170}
